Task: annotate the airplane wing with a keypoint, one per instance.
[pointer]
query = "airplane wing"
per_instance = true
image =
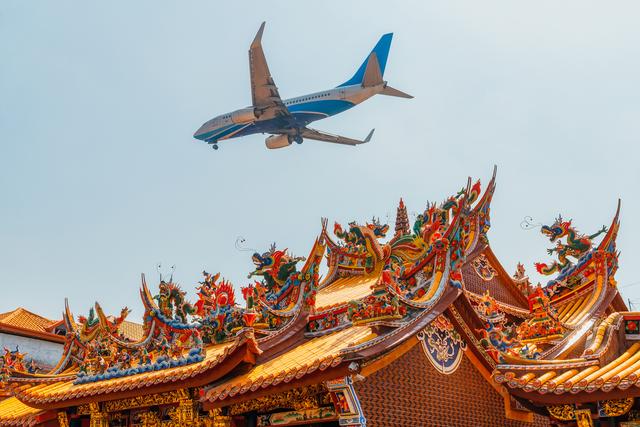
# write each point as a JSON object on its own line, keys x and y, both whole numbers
{"x": 308, "y": 133}
{"x": 264, "y": 92}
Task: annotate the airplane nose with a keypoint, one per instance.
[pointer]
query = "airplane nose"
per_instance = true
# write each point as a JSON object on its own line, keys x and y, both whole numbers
{"x": 199, "y": 133}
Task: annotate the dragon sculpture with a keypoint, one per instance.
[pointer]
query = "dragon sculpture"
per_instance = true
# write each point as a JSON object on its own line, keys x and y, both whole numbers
{"x": 90, "y": 326}
{"x": 363, "y": 240}
{"x": 275, "y": 267}
{"x": 576, "y": 245}
{"x": 430, "y": 226}
{"x": 356, "y": 236}
{"x": 435, "y": 218}
{"x": 172, "y": 302}
{"x": 216, "y": 308}
{"x": 213, "y": 295}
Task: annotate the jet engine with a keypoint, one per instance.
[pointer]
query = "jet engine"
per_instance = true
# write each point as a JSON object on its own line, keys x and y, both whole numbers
{"x": 244, "y": 115}
{"x": 277, "y": 141}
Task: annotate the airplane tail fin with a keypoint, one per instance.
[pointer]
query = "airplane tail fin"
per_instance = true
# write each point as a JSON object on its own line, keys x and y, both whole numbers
{"x": 379, "y": 54}
{"x": 372, "y": 73}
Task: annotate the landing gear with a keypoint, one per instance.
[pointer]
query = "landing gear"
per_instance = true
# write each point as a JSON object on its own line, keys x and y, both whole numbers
{"x": 298, "y": 139}
{"x": 214, "y": 146}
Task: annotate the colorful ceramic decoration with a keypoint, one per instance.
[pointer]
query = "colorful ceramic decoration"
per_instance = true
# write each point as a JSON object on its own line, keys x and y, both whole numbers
{"x": 483, "y": 268}
{"x": 442, "y": 345}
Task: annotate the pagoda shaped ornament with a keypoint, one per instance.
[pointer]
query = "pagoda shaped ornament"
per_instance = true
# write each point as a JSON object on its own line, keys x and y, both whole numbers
{"x": 402, "y": 221}
{"x": 521, "y": 280}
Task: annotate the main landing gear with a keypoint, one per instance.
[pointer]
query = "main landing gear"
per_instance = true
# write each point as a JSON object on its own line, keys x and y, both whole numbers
{"x": 298, "y": 139}
{"x": 214, "y": 146}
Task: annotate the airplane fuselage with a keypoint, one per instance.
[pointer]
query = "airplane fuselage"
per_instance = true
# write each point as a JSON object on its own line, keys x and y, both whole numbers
{"x": 304, "y": 110}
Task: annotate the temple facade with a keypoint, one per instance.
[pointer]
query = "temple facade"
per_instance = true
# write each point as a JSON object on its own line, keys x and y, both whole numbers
{"x": 421, "y": 328}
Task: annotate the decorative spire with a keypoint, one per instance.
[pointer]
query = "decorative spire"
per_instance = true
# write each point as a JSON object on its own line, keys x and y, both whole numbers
{"x": 402, "y": 220}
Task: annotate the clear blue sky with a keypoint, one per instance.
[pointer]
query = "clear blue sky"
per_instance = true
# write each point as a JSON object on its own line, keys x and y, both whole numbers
{"x": 100, "y": 177}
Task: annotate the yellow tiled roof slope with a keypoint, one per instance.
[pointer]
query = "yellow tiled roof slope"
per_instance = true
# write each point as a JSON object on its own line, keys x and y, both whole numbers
{"x": 344, "y": 290}
{"x": 15, "y": 413}
{"x": 59, "y": 391}
{"x": 317, "y": 353}
{"x": 133, "y": 331}
{"x": 23, "y": 318}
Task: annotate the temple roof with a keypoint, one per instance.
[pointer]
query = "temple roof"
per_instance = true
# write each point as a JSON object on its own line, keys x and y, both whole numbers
{"x": 49, "y": 392}
{"x": 15, "y": 413}
{"x": 578, "y": 376}
{"x": 316, "y": 354}
{"x": 377, "y": 296}
{"x": 23, "y": 322}
{"x": 345, "y": 289}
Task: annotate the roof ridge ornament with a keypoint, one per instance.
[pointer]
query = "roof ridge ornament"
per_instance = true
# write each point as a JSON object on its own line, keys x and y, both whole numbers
{"x": 576, "y": 246}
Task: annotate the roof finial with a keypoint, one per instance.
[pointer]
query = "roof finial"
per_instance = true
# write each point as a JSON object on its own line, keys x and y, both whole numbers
{"x": 402, "y": 220}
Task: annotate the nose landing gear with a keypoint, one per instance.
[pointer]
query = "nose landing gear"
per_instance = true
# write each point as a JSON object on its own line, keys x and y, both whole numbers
{"x": 298, "y": 139}
{"x": 214, "y": 146}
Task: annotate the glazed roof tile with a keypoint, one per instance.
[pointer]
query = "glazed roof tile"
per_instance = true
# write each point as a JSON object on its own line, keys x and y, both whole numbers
{"x": 16, "y": 413}
{"x": 23, "y": 318}
{"x": 65, "y": 390}
{"x": 345, "y": 289}
{"x": 317, "y": 353}
{"x": 133, "y": 331}
{"x": 622, "y": 372}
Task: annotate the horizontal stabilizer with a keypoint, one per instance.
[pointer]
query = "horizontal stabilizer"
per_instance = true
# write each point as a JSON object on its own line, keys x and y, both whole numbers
{"x": 389, "y": 91}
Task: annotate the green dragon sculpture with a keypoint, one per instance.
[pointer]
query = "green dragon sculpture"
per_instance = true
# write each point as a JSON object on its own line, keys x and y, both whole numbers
{"x": 576, "y": 245}
{"x": 172, "y": 302}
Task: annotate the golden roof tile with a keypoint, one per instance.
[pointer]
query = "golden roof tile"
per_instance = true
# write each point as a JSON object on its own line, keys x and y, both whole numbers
{"x": 345, "y": 289}
{"x": 15, "y": 413}
{"x": 622, "y": 372}
{"x": 316, "y": 353}
{"x": 60, "y": 391}
{"x": 131, "y": 330}
{"x": 23, "y": 318}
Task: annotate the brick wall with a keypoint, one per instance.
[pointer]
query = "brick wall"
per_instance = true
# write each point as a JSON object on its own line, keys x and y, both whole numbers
{"x": 410, "y": 392}
{"x": 498, "y": 286}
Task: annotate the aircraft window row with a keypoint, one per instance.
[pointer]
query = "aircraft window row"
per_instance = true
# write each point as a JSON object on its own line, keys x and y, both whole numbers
{"x": 309, "y": 98}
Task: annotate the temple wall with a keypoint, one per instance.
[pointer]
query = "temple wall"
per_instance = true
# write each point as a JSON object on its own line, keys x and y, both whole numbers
{"x": 410, "y": 392}
{"x": 43, "y": 352}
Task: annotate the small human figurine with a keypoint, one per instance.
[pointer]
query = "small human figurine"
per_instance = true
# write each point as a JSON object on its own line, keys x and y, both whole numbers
{"x": 125, "y": 359}
{"x": 144, "y": 357}
{"x": 33, "y": 367}
{"x": 162, "y": 344}
{"x": 101, "y": 364}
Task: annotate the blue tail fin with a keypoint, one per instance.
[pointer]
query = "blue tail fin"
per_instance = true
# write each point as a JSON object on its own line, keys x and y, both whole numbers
{"x": 382, "y": 52}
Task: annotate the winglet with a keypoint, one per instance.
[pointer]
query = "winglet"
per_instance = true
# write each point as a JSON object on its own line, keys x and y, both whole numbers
{"x": 368, "y": 138}
{"x": 258, "y": 38}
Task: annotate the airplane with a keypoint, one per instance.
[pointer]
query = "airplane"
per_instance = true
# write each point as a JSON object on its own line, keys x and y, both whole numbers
{"x": 287, "y": 120}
